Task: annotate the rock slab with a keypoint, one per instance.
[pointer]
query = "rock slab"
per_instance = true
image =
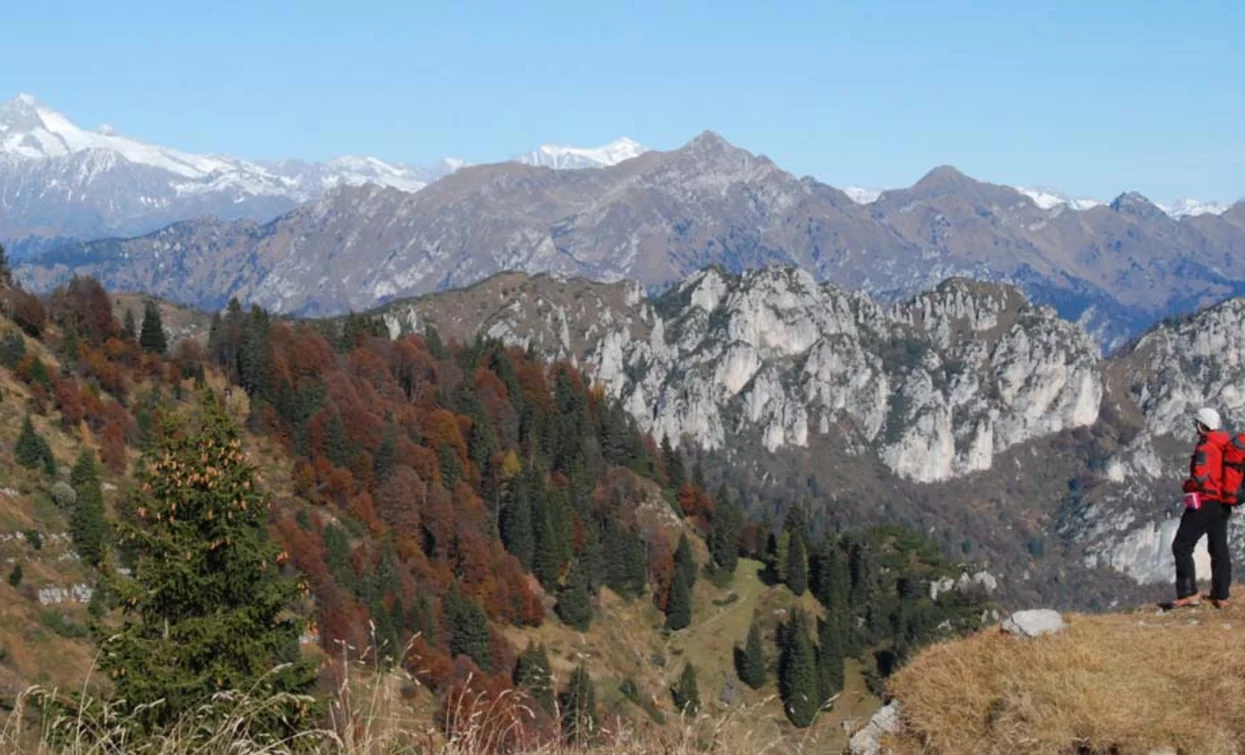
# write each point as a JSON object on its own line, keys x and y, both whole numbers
{"x": 868, "y": 741}
{"x": 1034, "y": 623}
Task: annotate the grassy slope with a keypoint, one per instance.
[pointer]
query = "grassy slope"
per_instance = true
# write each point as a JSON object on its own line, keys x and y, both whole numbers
{"x": 1121, "y": 683}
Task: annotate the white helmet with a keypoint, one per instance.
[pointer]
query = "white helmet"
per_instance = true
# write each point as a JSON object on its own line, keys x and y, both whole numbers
{"x": 1208, "y": 417}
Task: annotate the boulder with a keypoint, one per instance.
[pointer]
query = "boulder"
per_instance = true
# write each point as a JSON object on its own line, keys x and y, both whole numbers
{"x": 868, "y": 741}
{"x": 1033, "y": 623}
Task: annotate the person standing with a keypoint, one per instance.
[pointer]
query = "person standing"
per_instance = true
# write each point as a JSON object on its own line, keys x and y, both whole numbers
{"x": 1206, "y": 513}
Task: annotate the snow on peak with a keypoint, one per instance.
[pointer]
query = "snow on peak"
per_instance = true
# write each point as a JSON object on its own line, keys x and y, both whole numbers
{"x": 862, "y": 195}
{"x": 1191, "y": 207}
{"x": 567, "y": 158}
{"x": 1049, "y": 199}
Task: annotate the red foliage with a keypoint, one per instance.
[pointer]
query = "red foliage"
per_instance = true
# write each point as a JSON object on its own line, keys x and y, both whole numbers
{"x": 69, "y": 402}
{"x": 400, "y": 499}
{"x": 697, "y": 505}
{"x": 27, "y": 312}
{"x": 112, "y": 447}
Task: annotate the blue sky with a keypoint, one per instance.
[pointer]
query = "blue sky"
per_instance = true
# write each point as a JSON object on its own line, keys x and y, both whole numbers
{"x": 1090, "y": 97}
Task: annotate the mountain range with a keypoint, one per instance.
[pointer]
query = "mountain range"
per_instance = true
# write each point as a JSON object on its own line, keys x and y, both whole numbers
{"x": 61, "y": 182}
{"x": 656, "y": 217}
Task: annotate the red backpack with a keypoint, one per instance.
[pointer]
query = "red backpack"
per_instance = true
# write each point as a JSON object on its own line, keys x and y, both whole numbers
{"x": 1233, "y": 469}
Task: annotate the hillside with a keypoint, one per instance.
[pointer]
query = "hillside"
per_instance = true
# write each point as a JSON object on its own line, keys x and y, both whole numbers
{"x": 656, "y": 218}
{"x": 1141, "y": 681}
{"x": 455, "y": 510}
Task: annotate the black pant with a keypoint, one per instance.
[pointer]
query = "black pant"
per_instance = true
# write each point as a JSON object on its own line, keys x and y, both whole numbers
{"x": 1210, "y": 520}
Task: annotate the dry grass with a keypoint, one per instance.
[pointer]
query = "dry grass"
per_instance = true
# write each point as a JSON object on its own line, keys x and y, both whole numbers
{"x": 1118, "y": 683}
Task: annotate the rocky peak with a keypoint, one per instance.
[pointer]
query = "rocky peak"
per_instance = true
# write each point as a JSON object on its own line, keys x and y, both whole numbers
{"x": 1136, "y": 205}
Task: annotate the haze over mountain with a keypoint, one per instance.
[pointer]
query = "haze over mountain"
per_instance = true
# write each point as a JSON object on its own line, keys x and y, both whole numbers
{"x": 661, "y": 215}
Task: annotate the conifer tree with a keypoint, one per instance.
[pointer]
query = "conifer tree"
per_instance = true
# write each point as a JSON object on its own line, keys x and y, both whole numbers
{"x": 797, "y": 672}
{"x": 207, "y": 608}
{"x": 686, "y": 693}
{"x": 386, "y": 458}
{"x": 579, "y": 717}
{"x": 32, "y": 451}
{"x": 533, "y": 673}
{"x": 468, "y": 629}
{"x": 15, "y": 576}
{"x": 724, "y": 529}
{"x": 86, "y": 522}
{"x": 129, "y": 329}
{"x": 829, "y": 657}
{"x": 6, "y": 273}
{"x": 151, "y": 336}
{"x": 546, "y": 561}
{"x": 516, "y": 522}
{"x": 797, "y": 567}
{"x": 679, "y": 605}
{"x": 573, "y": 606}
{"x": 684, "y": 561}
{"x": 676, "y": 474}
{"x": 750, "y": 662}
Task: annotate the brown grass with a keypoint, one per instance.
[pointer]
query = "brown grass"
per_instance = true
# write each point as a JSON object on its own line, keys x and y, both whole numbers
{"x": 1119, "y": 683}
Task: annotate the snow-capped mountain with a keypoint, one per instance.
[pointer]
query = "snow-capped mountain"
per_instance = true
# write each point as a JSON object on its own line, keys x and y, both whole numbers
{"x": 58, "y": 180}
{"x": 570, "y": 158}
{"x": 861, "y": 194}
{"x": 1191, "y": 207}
{"x": 1049, "y": 199}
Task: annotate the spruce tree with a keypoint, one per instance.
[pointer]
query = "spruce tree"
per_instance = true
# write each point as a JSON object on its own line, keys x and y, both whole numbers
{"x": 130, "y": 330}
{"x": 86, "y": 521}
{"x": 151, "y": 336}
{"x": 6, "y": 273}
{"x": 797, "y": 567}
{"x": 724, "y": 529}
{"x": 797, "y": 672}
{"x": 15, "y": 576}
{"x": 573, "y": 606}
{"x": 829, "y": 657}
{"x": 516, "y": 522}
{"x": 579, "y": 717}
{"x": 546, "y": 561}
{"x": 686, "y": 694}
{"x": 750, "y": 662}
{"x": 679, "y": 604}
{"x": 685, "y": 562}
{"x": 676, "y": 474}
{"x": 32, "y": 451}
{"x": 533, "y": 673}
{"x": 207, "y": 608}
{"x": 469, "y": 633}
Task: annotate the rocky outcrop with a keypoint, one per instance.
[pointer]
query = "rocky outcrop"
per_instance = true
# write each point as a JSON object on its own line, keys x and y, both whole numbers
{"x": 1033, "y": 623}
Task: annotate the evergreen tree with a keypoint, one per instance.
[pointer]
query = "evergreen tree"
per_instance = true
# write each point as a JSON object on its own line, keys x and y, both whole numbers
{"x": 207, "y": 608}
{"x": 546, "y": 560}
{"x": 336, "y": 445}
{"x": 797, "y": 672}
{"x": 151, "y": 336}
{"x": 32, "y": 451}
{"x": 679, "y": 604}
{"x": 685, "y": 562}
{"x": 468, "y": 629}
{"x": 516, "y": 522}
{"x": 130, "y": 330}
{"x": 386, "y": 458}
{"x": 750, "y": 662}
{"x": 829, "y": 657}
{"x": 6, "y": 273}
{"x": 686, "y": 694}
{"x": 676, "y": 474}
{"x": 15, "y": 576}
{"x": 797, "y": 568}
{"x": 724, "y": 529}
{"x": 533, "y": 673}
{"x": 573, "y": 606}
{"x": 86, "y": 521}
{"x": 579, "y": 716}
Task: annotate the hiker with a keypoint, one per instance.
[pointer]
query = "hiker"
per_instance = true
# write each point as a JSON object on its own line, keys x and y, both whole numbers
{"x": 1206, "y": 513}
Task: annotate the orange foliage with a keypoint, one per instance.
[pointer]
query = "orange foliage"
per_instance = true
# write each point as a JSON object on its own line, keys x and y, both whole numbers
{"x": 69, "y": 402}
{"x": 112, "y": 447}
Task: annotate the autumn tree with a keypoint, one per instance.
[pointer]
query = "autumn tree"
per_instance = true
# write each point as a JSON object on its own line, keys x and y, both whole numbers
{"x": 207, "y": 608}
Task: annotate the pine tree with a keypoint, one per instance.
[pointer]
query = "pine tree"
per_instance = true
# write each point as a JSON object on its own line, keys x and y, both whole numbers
{"x": 676, "y": 474}
{"x": 533, "y": 673}
{"x": 685, "y": 562}
{"x": 86, "y": 522}
{"x": 829, "y": 658}
{"x": 469, "y": 629}
{"x": 15, "y": 576}
{"x": 750, "y": 662}
{"x": 686, "y": 694}
{"x": 573, "y": 606}
{"x": 724, "y": 531}
{"x": 797, "y": 672}
{"x": 32, "y": 451}
{"x": 207, "y": 608}
{"x": 516, "y": 522}
{"x": 6, "y": 273}
{"x": 679, "y": 605}
{"x": 130, "y": 330}
{"x": 546, "y": 560}
{"x": 797, "y": 567}
{"x": 579, "y": 717}
{"x": 151, "y": 336}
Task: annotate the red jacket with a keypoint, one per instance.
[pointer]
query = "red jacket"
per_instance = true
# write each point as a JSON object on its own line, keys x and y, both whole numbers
{"x": 1206, "y": 466}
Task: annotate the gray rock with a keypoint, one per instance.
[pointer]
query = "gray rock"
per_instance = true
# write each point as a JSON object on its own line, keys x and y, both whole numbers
{"x": 868, "y": 741}
{"x": 1034, "y": 623}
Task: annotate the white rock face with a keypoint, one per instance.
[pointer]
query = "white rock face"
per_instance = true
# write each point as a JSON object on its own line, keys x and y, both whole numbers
{"x": 1034, "y": 623}
{"x": 868, "y": 741}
